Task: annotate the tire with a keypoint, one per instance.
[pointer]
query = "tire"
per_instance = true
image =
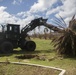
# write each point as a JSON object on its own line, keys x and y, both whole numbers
{"x": 30, "y": 46}
{"x": 6, "y": 47}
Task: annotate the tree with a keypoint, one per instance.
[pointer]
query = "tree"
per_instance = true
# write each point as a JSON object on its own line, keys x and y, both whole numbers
{"x": 45, "y": 32}
{"x": 65, "y": 43}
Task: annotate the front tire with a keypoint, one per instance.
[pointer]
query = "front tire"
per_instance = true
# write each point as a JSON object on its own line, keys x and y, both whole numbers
{"x": 6, "y": 47}
{"x": 29, "y": 46}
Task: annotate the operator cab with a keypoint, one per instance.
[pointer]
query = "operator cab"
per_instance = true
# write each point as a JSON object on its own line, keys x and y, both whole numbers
{"x": 13, "y": 28}
{"x": 13, "y": 31}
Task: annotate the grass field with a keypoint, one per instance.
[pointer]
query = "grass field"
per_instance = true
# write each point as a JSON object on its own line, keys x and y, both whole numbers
{"x": 14, "y": 69}
{"x": 44, "y": 50}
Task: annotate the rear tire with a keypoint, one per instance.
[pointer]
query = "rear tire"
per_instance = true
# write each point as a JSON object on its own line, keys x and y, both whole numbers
{"x": 6, "y": 47}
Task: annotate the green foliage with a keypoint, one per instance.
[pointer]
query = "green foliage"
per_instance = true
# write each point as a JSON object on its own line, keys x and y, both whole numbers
{"x": 65, "y": 42}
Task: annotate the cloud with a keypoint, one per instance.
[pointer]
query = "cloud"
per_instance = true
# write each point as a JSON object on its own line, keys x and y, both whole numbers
{"x": 16, "y": 2}
{"x": 63, "y": 10}
{"x": 5, "y": 17}
{"x": 54, "y": 10}
{"x": 2, "y": 8}
{"x": 25, "y": 21}
{"x": 38, "y": 7}
{"x": 24, "y": 14}
{"x": 67, "y": 9}
{"x": 41, "y": 5}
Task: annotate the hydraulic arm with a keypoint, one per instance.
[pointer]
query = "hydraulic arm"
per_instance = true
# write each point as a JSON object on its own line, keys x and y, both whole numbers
{"x": 39, "y": 22}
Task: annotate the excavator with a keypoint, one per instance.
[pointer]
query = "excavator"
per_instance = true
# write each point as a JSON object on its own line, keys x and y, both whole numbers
{"x": 12, "y": 36}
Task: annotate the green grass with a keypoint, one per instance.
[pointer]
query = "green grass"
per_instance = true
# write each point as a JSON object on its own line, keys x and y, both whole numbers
{"x": 44, "y": 48}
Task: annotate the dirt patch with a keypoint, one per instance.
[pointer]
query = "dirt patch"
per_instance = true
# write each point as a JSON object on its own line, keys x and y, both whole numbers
{"x": 27, "y": 56}
{"x": 38, "y": 57}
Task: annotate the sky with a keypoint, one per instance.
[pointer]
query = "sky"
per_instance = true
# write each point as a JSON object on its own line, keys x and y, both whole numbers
{"x": 23, "y": 11}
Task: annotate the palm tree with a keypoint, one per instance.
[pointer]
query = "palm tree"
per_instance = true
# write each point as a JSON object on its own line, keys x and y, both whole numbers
{"x": 65, "y": 43}
{"x": 45, "y": 32}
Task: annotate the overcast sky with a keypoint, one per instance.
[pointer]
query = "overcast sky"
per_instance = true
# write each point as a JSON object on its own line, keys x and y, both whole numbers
{"x": 23, "y": 11}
